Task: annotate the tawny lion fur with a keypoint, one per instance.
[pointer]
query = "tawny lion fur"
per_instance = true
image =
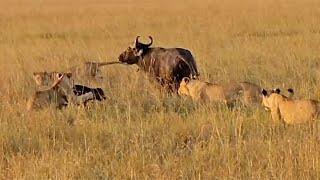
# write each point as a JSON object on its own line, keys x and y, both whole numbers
{"x": 44, "y": 78}
{"x": 84, "y": 73}
{"x": 58, "y": 95}
{"x": 228, "y": 94}
{"x": 289, "y": 110}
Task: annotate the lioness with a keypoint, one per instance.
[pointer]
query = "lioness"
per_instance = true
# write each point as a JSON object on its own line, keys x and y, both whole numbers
{"x": 290, "y": 110}
{"x": 59, "y": 94}
{"x": 246, "y": 92}
{"x": 85, "y": 73}
{"x": 44, "y": 79}
{"x": 204, "y": 91}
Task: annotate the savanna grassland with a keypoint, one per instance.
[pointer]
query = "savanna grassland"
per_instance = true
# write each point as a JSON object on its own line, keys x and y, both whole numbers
{"x": 140, "y": 133}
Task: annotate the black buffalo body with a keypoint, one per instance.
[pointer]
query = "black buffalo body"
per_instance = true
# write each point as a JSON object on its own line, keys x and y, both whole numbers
{"x": 167, "y": 65}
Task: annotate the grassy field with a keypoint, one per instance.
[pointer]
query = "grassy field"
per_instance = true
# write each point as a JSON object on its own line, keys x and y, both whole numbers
{"x": 140, "y": 133}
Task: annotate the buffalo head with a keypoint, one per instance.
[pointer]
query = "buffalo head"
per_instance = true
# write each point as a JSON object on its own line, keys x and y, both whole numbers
{"x": 134, "y": 52}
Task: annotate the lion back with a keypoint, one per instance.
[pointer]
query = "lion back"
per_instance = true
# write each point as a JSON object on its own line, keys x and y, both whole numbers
{"x": 299, "y": 111}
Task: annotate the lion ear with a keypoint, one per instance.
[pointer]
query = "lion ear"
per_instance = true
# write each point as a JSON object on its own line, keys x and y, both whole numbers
{"x": 290, "y": 90}
{"x": 35, "y": 74}
{"x": 277, "y": 90}
{"x": 69, "y": 74}
{"x": 38, "y": 73}
{"x": 264, "y": 92}
{"x": 59, "y": 75}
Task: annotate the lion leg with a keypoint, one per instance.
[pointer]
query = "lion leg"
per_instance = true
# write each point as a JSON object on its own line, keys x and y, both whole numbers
{"x": 276, "y": 116}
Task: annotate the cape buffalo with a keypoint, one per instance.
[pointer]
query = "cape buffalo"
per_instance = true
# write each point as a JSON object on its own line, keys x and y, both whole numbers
{"x": 167, "y": 65}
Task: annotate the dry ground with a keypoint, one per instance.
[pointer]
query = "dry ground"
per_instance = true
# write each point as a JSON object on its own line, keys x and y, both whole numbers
{"x": 139, "y": 133}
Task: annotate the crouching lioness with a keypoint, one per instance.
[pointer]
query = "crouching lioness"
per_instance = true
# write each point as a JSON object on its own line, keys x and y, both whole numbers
{"x": 228, "y": 94}
{"x": 59, "y": 94}
{"x": 289, "y": 110}
{"x": 44, "y": 79}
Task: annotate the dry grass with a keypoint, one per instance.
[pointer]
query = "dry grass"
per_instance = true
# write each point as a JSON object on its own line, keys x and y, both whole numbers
{"x": 140, "y": 133}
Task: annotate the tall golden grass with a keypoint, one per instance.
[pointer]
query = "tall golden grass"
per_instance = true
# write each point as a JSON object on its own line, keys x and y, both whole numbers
{"x": 140, "y": 133}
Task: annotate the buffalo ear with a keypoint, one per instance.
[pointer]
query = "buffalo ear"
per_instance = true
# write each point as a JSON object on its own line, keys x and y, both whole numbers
{"x": 277, "y": 91}
{"x": 264, "y": 92}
